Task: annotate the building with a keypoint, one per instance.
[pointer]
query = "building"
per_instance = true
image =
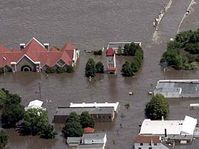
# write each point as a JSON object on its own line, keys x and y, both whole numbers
{"x": 148, "y": 142}
{"x": 104, "y": 114}
{"x": 88, "y": 141}
{"x": 35, "y": 56}
{"x": 96, "y": 105}
{"x": 111, "y": 61}
{"x": 181, "y": 131}
{"x": 35, "y": 104}
{"x": 177, "y": 88}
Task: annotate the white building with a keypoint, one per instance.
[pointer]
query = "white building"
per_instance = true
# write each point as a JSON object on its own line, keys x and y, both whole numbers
{"x": 96, "y": 105}
{"x": 170, "y": 129}
{"x": 148, "y": 142}
{"x": 37, "y": 104}
{"x": 88, "y": 141}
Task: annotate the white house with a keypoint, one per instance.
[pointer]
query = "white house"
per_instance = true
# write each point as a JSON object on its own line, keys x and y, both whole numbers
{"x": 94, "y": 138}
{"x": 88, "y": 141}
{"x": 148, "y": 142}
{"x": 37, "y": 104}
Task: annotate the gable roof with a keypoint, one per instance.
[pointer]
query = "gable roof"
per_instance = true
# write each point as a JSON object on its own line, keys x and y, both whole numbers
{"x": 110, "y": 52}
{"x": 36, "y": 52}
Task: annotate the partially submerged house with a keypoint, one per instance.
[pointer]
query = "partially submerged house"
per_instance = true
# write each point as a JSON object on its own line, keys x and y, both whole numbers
{"x": 148, "y": 142}
{"x": 88, "y": 141}
{"x": 35, "y": 56}
{"x": 181, "y": 131}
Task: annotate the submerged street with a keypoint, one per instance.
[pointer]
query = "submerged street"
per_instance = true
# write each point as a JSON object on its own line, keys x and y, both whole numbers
{"x": 90, "y": 25}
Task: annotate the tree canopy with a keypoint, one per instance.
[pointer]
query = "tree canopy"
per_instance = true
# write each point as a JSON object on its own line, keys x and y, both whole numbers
{"x": 127, "y": 70}
{"x": 157, "y": 108}
{"x": 72, "y": 126}
{"x": 180, "y": 50}
{"x": 86, "y": 120}
{"x": 12, "y": 110}
{"x": 35, "y": 122}
{"x": 90, "y": 69}
{"x": 99, "y": 67}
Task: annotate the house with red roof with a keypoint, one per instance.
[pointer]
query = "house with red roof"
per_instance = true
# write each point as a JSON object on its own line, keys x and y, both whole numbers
{"x": 111, "y": 60}
{"x": 35, "y": 56}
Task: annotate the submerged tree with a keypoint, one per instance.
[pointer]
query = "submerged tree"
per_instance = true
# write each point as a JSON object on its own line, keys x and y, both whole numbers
{"x": 127, "y": 70}
{"x": 99, "y": 67}
{"x": 90, "y": 69}
{"x": 86, "y": 120}
{"x": 157, "y": 108}
{"x": 72, "y": 126}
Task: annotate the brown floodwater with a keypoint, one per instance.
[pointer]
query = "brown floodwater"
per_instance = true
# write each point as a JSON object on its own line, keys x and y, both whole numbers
{"x": 91, "y": 24}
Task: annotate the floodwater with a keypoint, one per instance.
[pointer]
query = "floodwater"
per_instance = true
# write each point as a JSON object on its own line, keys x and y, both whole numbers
{"x": 91, "y": 24}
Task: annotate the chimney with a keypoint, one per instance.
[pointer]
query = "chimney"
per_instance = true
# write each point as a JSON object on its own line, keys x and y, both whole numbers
{"x": 46, "y": 45}
{"x": 165, "y": 133}
{"x": 22, "y": 45}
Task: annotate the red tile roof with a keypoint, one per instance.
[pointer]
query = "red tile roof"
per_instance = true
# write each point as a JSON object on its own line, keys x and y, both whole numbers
{"x": 147, "y": 139}
{"x": 37, "y": 53}
{"x": 110, "y": 52}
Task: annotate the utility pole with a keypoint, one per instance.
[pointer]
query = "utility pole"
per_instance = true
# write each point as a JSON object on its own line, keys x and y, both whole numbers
{"x": 39, "y": 90}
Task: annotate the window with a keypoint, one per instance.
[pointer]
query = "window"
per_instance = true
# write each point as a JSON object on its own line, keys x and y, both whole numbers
{"x": 139, "y": 148}
{"x": 150, "y": 144}
{"x": 141, "y": 144}
{"x": 150, "y": 147}
{"x": 155, "y": 143}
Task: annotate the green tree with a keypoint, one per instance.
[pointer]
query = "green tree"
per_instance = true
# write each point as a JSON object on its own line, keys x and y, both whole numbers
{"x": 157, "y": 107}
{"x": 72, "y": 126}
{"x": 35, "y": 122}
{"x": 99, "y": 67}
{"x": 87, "y": 120}
{"x": 127, "y": 71}
{"x": 90, "y": 69}
{"x": 47, "y": 132}
{"x": 3, "y": 139}
{"x": 3, "y": 97}
{"x": 11, "y": 114}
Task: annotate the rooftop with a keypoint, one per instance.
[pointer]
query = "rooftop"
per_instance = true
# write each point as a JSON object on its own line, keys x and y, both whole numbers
{"x": 173, "y": 127}
{"x": 91, "y": 110}
{"x": 95, "y": 104}
{"x": 147, "y": 139}
{"x": 177, "y": 88}
{"x": 92, "y": 136}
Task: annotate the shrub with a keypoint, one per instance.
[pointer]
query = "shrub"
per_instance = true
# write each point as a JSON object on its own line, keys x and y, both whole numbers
{"x": 99, "y": 67}
{"x": 99, "y": 52}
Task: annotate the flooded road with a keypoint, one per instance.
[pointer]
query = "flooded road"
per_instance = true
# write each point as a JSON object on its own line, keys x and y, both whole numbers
{"x": 91, "y": 24}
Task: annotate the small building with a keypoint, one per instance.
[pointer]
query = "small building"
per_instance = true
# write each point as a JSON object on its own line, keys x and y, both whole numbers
{"x": 111, "y": 61}
{"x": 99, "y": 114}
{"x": 177, "y": 130}
{"x": 88, "y": 141}
{"x": 177, "y": 88}
{"x": 148, "y": 142}
{"x": 96, "y": 105}
{"x": 36, "y": 104}
{"x": 73, "y": 141}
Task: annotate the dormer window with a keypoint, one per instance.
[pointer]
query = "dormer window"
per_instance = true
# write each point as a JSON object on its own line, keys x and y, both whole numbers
{"x": 61, "y": 63}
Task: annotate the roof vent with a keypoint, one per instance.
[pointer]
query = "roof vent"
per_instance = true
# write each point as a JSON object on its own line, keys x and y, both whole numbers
{"x": 22, "y": 45}
{"x": 46, "y": 45}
